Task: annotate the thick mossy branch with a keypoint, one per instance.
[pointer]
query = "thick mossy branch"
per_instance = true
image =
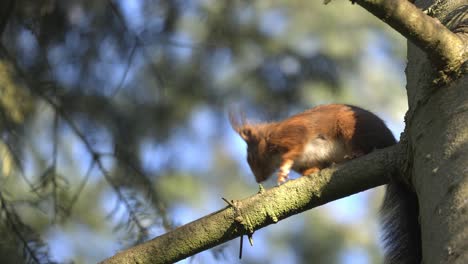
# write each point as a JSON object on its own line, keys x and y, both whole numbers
{"x": 447, "y": 50}
{"x": 265, "y": 208}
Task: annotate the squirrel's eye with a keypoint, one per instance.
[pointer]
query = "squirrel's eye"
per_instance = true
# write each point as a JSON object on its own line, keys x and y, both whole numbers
{"x": 320, "y": 136}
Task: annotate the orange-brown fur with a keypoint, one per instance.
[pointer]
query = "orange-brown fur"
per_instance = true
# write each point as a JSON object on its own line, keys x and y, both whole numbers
{"x": 274, "y": 145}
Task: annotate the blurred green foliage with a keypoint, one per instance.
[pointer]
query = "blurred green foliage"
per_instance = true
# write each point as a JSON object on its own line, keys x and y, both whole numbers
{"x": 113, "y": 118}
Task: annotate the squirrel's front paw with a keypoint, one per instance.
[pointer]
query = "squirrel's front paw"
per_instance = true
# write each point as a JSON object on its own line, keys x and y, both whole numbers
{"x": 282, "y": 177}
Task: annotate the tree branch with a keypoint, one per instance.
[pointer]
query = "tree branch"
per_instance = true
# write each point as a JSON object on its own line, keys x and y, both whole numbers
{"x": 265, "y": 208}
{"x": 447, "y": 50}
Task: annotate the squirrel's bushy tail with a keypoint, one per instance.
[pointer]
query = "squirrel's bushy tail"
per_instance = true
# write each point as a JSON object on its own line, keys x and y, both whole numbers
{"x": 400, "y": 225}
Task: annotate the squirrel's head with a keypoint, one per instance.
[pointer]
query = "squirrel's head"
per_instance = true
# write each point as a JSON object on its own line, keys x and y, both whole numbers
{"x": 259, "y": 155}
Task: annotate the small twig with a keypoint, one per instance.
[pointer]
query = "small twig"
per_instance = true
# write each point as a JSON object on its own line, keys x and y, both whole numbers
{"x": 167, "y": 224}
{"x": 139, "y": 42}
{"x": 250, "y": 236}
{"x": 240, "y": 246}
{"x": 80, "y": 188}
{"x": 244, "y": 222}
{"x": 23, "y": 176}
{"x": 11, "y": 133}
{"x": 13, "y": 224}
{"x": 121, "y": 197}
{"x": 97, "y": 159}
{"x": 127, "y": 69}
{"x": 228, "y": 202}
{"x": 54, "y": 165}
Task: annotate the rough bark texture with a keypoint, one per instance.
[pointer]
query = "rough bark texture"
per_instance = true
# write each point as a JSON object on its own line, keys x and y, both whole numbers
{"x": 265, "y": 208}
{"x": 437, "y": 134}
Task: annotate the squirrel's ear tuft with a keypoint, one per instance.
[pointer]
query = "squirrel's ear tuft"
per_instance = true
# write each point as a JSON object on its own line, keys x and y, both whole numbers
{"x": 246, "y": 134}
{"x": 236, "y": 124}
{"x": 240, "y": 125}
{"x": 237, "y": 121}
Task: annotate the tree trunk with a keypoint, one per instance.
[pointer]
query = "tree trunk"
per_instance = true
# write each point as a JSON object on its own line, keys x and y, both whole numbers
{"x": 437, "y": 138}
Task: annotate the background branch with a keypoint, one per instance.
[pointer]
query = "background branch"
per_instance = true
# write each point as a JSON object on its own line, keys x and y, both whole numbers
{"x": 265, "y": 208}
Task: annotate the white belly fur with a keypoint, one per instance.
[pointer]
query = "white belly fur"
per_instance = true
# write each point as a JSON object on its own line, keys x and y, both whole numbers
{"x": 319, "y": 151}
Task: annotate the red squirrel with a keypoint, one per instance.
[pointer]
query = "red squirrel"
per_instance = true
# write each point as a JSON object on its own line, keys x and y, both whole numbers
{"x": 312, "y": 140}
{"x": 331, "y": 134}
